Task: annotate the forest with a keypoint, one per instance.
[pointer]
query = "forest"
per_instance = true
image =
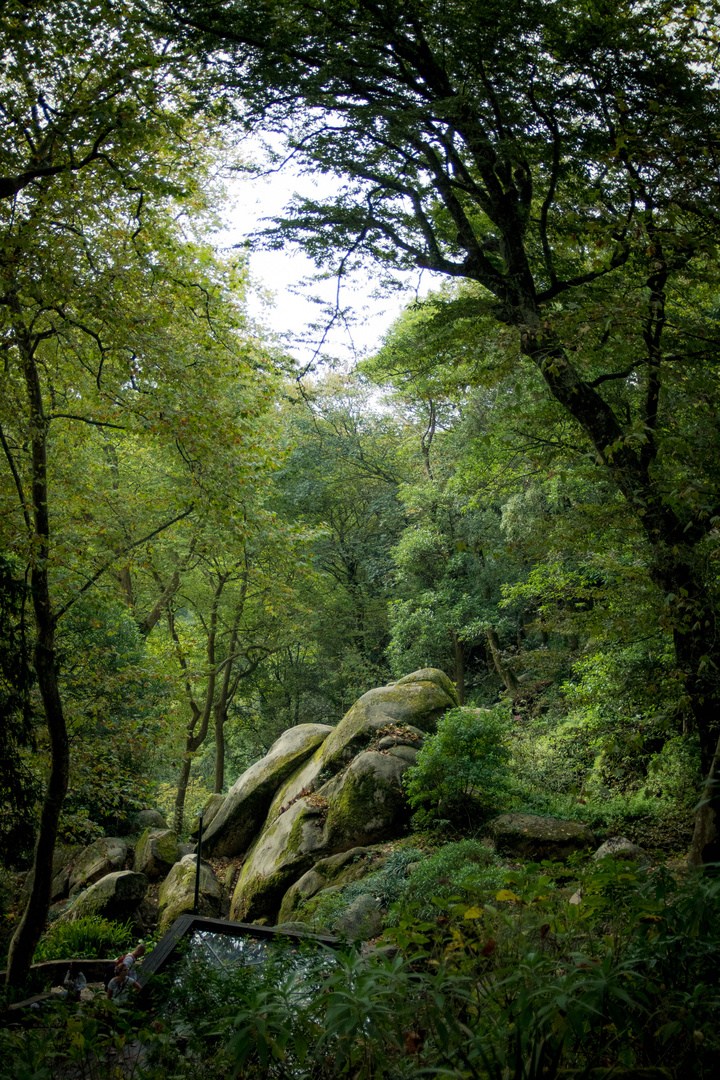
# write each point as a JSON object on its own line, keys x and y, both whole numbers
{"x": 206, "y": 544}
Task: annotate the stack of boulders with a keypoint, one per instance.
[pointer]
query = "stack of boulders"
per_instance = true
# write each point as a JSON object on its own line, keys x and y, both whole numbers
{"x": 309, "y": 818}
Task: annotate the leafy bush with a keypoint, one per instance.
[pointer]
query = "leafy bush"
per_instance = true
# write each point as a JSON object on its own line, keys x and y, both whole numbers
{"x": 461, "y": 776}
{"x": 466, "y": 869}
{"x": 89, "y": 937}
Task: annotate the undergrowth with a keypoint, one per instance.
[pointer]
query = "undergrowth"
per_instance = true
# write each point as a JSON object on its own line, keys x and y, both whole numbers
{"x": 520, "y": 985}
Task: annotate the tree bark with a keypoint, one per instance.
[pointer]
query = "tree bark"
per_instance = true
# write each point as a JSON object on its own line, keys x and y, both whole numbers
{"x": 705, "y": 846}
{"x": 506, "y": 673}
{"x": 32, "y": 923}
{"x": 459, "y": 667}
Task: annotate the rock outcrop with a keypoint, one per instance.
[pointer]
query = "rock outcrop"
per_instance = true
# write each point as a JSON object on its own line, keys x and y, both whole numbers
{"x": 347, "y": 794}
{"x": 149, "y": 819}
{"x": 98, "y": 860}
{"x": 622, "y": 848}
{"x": 177, "y": 892}
{"x": 210, "y": 810}
{"x": 63, "y": 859}
{"x": 243, "y": 810}
{"x": 362, "y": 920}
{"x": 335, "y": 871}
{"x": 527, "y": 836}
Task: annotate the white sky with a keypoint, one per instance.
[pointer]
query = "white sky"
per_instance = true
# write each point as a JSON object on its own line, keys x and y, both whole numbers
{"x": 282, "y": 273}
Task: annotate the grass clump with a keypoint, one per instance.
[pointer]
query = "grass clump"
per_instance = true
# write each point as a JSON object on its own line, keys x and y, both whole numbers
{"x": 466, "y": 869}
{"x": 90, "y": 937}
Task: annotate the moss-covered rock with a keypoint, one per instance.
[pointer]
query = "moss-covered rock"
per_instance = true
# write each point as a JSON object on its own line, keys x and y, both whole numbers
{"x": 415, "y": 702}
{"x": 209, "y": 811}
{"x": 156, "y": 853}
{"x": 348, "y": 793}
{"x": 149, "y": 819}
{"x": 177, "y": 892}
{"x": 527, "y": 836}
{"x": 361, "y": 920}
{"x": 102, "y": 857}
{"x": 366, "y": 803}
{"x": 115, "y": 896}
{"x": 63, "y": 859}
{"x": 246, "y": 804}
{"x": 336, "y": 871}
{"x": 282, "y": 854}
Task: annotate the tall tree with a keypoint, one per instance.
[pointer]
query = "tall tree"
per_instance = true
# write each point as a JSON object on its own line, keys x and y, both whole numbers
{"x": 562, "y": 157}
{"x": 113, "y": 316}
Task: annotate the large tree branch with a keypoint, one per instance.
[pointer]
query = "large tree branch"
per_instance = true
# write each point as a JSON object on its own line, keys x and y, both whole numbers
{"x": 130, "y": 547}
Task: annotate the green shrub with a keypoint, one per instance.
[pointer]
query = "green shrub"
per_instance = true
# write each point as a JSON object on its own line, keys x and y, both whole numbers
{"x": 461, "y": 776}
{"x": 466, "y": 869}
{"x": 89, "y": 937}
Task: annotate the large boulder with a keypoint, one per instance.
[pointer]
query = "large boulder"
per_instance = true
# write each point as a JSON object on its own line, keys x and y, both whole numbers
{"x": 527, "y": 836}
{"x": 406, "y": 710}
{"x": 361, "y": 920}
{"x": 282, "y": 853}
{"x": 364, "y": 804}
{"x": 99, "y": 859}
{"x": 336, "y": 870}
{"x": 348, "y": 793}
{"x": 243, "y": 811}
{"x": 622, "y": 848}
{"x": 149, "y": 819}
{"x": 63, "y": 858}
{"x": 115, "y": 896}
{"x": 177, "y": 892}
{"x": 156, "y": 853}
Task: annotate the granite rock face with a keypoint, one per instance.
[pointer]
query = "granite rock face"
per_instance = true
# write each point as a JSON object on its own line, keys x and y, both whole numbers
{"x": 243, "y": 810}
{"x": 361, "y": 921}
{"x": 621, "y": 848}
{"x": 177, "y": 892}
{"x": 148, "y": 818}
{"x": 210, "y": 811}
{"x": 156, "y": 853}
{"x": 348, "y": 794}
{"x": 115, "y": 897}
{"x": 102, "y": 857}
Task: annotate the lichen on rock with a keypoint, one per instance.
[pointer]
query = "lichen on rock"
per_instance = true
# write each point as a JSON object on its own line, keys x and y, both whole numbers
{"x": 177, "y": 892}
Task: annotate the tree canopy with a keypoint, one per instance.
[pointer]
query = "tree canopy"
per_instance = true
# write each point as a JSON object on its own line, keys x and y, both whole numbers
{"x": 563, "y": 158}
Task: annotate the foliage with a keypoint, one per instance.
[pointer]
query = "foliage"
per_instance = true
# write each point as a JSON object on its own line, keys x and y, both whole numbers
{"x": 461, "y": 774}
{"x": 387, "y": 885}
{"x": 116, "y": 699}
{"x": 466, "y": 869}
{"x": 515, "y": 981}
{"x": 525, "y": 149}
{"x": 19, "y": 785}
{"x": 87, "y": 937}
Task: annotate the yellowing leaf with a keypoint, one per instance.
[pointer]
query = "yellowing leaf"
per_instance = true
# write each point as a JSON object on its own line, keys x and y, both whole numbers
{"x": 473, "y": 912}
{"x": 511, "y": 897}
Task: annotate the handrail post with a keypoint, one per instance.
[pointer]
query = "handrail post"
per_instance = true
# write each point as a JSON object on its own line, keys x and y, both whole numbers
{"x": 197, "y": 865}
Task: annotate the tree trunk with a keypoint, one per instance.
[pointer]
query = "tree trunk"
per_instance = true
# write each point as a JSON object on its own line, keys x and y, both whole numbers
{"x": 459, "y": 667}
{"x": 705, "y": 846}
{"x": 220, "y": 716}
{"x": 506, "y": 673}
{"x": 220, "y": 707}
{"x": 179, "y": 814}
{"x": 32, "y": 923}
